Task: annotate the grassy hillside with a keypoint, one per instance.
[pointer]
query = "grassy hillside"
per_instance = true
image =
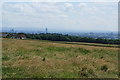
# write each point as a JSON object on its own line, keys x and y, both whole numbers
{"x": 47, "y": 59}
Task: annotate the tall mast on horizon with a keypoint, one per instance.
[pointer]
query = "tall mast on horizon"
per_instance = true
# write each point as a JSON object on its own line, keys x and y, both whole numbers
{"x": 46, "y": 30}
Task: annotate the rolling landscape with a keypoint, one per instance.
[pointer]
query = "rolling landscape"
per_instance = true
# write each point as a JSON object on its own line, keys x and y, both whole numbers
{"x": 59, "y": 39}
{"x": 55, "y": 59}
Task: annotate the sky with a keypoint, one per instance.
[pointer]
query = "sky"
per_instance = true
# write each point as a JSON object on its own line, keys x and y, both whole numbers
{"x": 60, "y": 16}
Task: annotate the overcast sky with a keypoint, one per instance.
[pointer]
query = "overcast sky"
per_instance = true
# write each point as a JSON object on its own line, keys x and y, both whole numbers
{"x": 60, "y": 16}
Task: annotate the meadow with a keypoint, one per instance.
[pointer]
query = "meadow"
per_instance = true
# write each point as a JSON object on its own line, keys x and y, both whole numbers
{"x": 51, "y": 59}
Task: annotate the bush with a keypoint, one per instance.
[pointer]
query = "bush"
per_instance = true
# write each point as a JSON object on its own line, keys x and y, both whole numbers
{"x": 104, "y": 68}
{"x": 85, "y": 73}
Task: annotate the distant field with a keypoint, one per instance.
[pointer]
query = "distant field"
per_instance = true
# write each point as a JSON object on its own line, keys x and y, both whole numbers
{"x": 49, "y": 59}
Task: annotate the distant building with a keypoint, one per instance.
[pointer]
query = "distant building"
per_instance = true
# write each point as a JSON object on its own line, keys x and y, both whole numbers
{"x": 19, "y": 36}
{"x": 3, "y": 35}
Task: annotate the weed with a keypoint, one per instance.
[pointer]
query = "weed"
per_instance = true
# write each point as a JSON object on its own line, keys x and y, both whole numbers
{"x": 86, "y": 72}
{"x": 84, "y": 51}
{"x": 43, "y": 59}
{"x": 104, "y": 68}
{"x": 58, "y": 49}
{"x": 5, "y": 58}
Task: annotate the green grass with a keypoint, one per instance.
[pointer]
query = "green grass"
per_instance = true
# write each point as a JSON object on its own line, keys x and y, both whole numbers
{"x": 97, "y": 44}
{"x": 5, "y": 58}
{"x": 49, "y": 59}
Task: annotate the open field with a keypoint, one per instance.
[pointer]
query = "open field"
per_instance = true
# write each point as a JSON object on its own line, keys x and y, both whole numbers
{"x": 48, "y": 59}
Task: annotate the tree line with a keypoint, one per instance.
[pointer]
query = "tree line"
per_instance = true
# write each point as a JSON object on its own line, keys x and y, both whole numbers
{"x": 61, "y": 37}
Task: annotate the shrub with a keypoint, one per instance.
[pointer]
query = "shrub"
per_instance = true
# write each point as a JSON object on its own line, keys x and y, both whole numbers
{"x": 84, "y": 51}
{"x": 43, "y": 59}
{"x": 104, "y": 68}
{"x": 85, "y": 72}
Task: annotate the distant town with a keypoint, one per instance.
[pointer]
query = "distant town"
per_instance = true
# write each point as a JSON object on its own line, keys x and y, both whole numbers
{"x": 96, "y": 35}
{"x": 103, "y": 35}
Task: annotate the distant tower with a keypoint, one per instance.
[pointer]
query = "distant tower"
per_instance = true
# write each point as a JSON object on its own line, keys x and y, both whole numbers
{"x": 46, "y": 30}
{"x": 12, "y": 31}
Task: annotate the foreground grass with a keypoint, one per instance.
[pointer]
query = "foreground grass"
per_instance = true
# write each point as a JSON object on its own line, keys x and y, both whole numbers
{"x": 47, "y": 59}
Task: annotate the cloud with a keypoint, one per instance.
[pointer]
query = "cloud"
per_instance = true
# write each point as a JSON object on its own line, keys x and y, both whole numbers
{"x": 30, "y": 14}
{"x": 68, "y": 6}
{"x": 60, "y": 0}
{"x": 45, "y": 7}
{"x": 61, "y": 15}
{"x": 81, "y": 5}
